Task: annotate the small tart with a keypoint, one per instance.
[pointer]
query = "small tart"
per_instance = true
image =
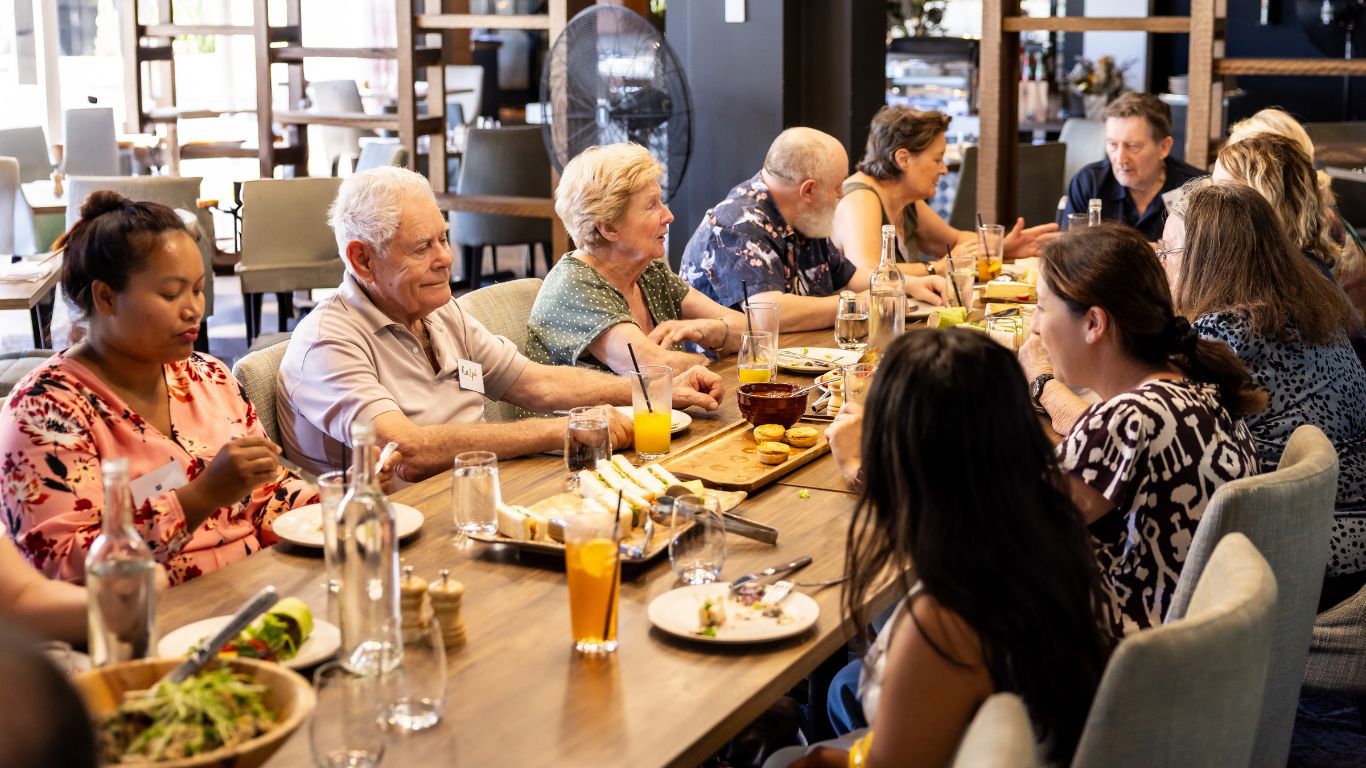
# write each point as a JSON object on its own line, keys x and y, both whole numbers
{"x": 773, "y": 453}
{"x": 766, "y": 433}
{"x": 802, "y": 437}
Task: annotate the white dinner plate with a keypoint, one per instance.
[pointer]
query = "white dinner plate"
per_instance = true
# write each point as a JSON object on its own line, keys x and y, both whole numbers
{"x": 303, "y": 526}
{"x": 676, "y": 612}
{"x": 320, "y": 646}
{"x": 832, "y": 357}
{"x": 678, "y": 420}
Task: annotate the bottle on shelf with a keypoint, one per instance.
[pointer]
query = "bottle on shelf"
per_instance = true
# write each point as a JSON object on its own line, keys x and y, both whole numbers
{"x": 120, "y": 578}
{"x": 371, "y": 623}
{"x": 886, "y": 296}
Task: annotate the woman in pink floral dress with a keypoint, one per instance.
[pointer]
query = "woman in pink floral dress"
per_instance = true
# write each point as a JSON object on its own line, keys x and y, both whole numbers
{"x": 206, "y": 483}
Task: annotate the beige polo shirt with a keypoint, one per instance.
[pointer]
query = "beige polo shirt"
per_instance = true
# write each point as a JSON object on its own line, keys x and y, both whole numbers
{"x": 347, "y": 360}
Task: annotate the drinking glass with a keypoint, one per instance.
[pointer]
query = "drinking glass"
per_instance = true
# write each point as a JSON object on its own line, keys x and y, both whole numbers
{"x": 592, "y": 564}
{"x": 1078, "y": 221}
{"x": 851, "y": 322}
{"x": 856, "y": 381}
{"x": 414, "y": 690}
{"x": 964, "y": 276}
{"x": 587, "y": 440}
{"x": 332, "y": 487}
{"x": 475, "y": 493}
{"x": 652, "y": 403}
{"x": 757, "y": 357}
{"x": 991, "y": 251}
{"x": 698, "y": 554}
{"x": 346, "y": 728}
{"x": 763, "y": 318}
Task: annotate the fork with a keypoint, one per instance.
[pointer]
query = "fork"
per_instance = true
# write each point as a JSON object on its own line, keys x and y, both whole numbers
{"x": 776, "y": 592}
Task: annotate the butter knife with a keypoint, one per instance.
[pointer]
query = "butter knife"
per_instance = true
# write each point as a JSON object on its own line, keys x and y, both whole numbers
{"x": 257, "y": 605}
{"x": 785, "y": 568}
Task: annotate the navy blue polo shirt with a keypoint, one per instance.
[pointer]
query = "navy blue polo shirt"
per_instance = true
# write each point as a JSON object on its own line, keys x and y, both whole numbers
{"x": 1097, "y": 180}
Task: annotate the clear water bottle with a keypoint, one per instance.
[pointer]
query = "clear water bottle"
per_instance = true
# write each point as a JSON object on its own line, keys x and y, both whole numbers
{"x": 370, "y": 621}
{"x": 1093, "y": 212}
{"x": 886, "y": 296}
{"x": 120, "y": 578}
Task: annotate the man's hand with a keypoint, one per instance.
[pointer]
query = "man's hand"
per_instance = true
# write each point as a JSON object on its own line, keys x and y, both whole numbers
{"x": 930, "y": 289}
{"x": 620, "y": 426}
{"x": 845, "y": 435}
{"x": 698, "y": 386}
{"x": 706, "y": 333}
{"x": 1022, "y": 243}
{"x": 1034, "y": 358}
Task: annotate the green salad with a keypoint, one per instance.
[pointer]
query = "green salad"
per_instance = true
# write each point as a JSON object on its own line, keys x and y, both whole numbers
{"x": 214, "y": 709}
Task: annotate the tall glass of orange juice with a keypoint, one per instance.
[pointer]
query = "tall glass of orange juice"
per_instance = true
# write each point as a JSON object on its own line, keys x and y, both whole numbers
{"x": 593, "y": 569}
{"x": 652, "y": 403}
{"x": 756, "y": 358}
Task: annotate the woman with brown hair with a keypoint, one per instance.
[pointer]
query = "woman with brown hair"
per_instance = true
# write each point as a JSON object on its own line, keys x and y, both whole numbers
{"x": 1143, "y": 463}
{"x": 1240, "y": 280}
{"x": 899, "y": 172}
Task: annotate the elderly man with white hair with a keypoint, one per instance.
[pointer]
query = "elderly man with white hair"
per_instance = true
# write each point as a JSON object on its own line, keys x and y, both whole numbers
{"x": 393, "y": 347}
{"x": 773, "y": 232}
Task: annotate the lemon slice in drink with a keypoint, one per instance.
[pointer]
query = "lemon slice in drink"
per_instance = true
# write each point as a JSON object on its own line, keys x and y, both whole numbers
{"x": 597, "y": 557}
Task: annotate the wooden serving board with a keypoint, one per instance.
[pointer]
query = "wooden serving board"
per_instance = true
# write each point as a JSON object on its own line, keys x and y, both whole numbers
{"x": 729, "y": 459}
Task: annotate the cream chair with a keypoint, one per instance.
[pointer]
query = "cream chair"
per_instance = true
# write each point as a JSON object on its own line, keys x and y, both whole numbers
{"x": 1000, "y": 736}
{"x": 337, "y": 144}
{"x": 504, "y": 309}
{"x": 91, "y": 147}
{"x": 1189, "y": 693}
{"x": 1085, "y": 141}
{"x": 1288, "y": 516}
{"x": 257, "y": 373}
{"x": 287, "y": 244}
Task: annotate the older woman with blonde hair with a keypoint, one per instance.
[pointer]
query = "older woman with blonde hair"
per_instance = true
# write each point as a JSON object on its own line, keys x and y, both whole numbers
{"x": 616, "y": 289}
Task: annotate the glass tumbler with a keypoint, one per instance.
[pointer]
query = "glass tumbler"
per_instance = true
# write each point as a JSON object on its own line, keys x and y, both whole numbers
{"x": 414, "y": 690}
{"x": 475, "y": 494}
{"x": 756, "y": 361}
{"x": 347, "y": 726}
{"x": 652, "y": 404}
{"x": 587, "y": 440}
{"x": 699, "y": 553}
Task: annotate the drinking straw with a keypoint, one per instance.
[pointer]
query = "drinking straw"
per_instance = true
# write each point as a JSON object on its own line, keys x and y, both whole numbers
{"x": 744, "y": 286}
{"x": 612, "y": 591}
{"x": 644, "y": 390}
{"x": 948, "y": 252}
{"x": 979, "y": 221}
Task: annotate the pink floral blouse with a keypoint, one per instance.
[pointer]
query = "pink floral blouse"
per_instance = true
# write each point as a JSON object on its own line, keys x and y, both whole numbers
{"x": 62, "y": 420}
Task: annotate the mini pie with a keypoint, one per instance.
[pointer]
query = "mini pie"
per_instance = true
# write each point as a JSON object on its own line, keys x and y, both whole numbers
{"x": 765, "y": 433}
{"x": 773, "y": 453}
{"x": 802, "y": 437}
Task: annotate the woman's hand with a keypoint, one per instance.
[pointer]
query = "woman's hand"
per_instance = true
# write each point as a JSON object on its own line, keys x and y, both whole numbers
{"x": 241, "y": 466}
{"x": 845, "y": 435}
{"x": 698, "y": 386}
{"x": 1023, "y": 243}
{"x": 1034, "y": 358}
{"x": 822, "y": 757}
{"x": 930, "y": 289}
{"x": 707, "y": 333}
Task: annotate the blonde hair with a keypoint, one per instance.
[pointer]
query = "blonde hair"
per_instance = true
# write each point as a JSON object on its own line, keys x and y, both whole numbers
{"x": 1272, "y": 121}
{"x": 1278, "y": 168}
{"x": 596, "y": 188}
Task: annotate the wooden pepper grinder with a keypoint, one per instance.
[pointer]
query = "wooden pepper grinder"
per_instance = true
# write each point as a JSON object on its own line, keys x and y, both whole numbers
{"x": 446, "y": 595}
{"x": 413, "y": 606}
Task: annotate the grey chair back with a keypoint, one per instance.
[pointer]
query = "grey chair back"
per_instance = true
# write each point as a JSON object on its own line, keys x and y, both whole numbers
{"x": 1085, "y": 142}
{"x": 1288, "y": 516}
{"x": 504, "y": 309}
{"x": 1040, "y": 173}
{"x": 28, "y": 145}
{"x": 332, "y": 97}
{"x": 9, "y": 203}
{"x": 1189, "y": 693}
{"x": 1337, "y": 653}
{"x": 1349, "y": 187}
{"x": 287, "y": 243}
{"x": 381, "y": 152}
{"x": 503, "y": 161}
{"x": 999, "y": 736}
{"x": 257, "y": 372}
{"x": 91, "y": 147}
{"x": 180, "y": 192}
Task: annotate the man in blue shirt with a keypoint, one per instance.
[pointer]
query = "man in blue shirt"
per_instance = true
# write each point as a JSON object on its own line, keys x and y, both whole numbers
{"x": 1138, "y": 170}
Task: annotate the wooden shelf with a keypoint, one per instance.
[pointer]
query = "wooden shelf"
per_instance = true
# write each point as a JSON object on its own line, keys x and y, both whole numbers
{"x": 1291, "y": 67}
{"x": 293, "y": 54}
{"x": 180, "y": 30}
{"x": 1159, "y": 24}
{"x": 534, "y": 207}
{"x": 174, "y": 114}
{"x": 364, "y": 120}
{"x": 435, "y": 22}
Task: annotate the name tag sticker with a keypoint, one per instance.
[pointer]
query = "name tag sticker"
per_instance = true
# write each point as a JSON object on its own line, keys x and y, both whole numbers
{"x": 163, "y": 479}
{"x": 471, "y": 375}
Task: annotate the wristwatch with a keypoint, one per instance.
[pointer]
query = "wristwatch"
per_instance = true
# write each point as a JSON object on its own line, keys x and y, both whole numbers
{"x": 1036, "y": 391}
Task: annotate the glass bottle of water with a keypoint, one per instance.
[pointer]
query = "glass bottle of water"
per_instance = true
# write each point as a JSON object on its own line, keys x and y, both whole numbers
{"x": 1093, "y": 212}
{"x": 120, "y": 578}
{"x": 370, "y": 620}
{"x": 886, "y": 296}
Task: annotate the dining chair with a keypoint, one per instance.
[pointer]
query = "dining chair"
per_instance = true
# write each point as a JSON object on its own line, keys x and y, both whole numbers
{"x": 1040, "y": 170}
{"x": 91, "y": 147}
{"x": 502, "y": 161}
{"x": 1288, "y": 515}
{"x": 1189, "y": 693}
{"x": 336, "y": 143}
{"x": 378, "y": 153}
{"x": 1085, "y": 142}
{"x": 504, "y": 309}
{"x": 999, "y": 736}
{"x": 10, "y": 202}
{"x": 1349, "y": 189}
{"x": 468, "y": 80}
{"x": 257, "y": 372}
{"x": 28, "y": 145}
{"x": 287, "y": 244}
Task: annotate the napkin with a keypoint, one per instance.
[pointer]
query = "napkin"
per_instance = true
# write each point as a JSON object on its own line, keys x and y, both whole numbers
{"x": 26, "y": 271}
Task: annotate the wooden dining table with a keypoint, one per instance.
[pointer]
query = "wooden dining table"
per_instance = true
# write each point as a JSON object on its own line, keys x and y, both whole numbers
{"x": 517, "y": 694}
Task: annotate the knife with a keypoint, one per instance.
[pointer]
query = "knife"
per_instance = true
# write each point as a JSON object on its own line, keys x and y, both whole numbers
{"x": 743, "y": 526}
{"x": 797, "y": 564}
{"x": 245, "y": 615}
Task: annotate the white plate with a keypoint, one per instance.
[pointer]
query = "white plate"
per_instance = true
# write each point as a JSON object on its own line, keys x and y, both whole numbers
{"x": 835, "y": 358}
{"x": 320, "y": 645}
{"x": 675, "y": 612}
{"x": 678, "y": 420}
{"x": 303, "y": 526}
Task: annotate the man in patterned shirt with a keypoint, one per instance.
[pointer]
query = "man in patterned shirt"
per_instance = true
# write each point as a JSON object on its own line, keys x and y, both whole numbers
{"x": 773, "y": 232}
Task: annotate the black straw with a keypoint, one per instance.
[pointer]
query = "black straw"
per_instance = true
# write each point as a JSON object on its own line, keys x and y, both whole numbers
{"x": 612, "y": 591}
{"x": 948, "y": 253}
{"x": 744, "y": 286}
{"x": 644, "y": 390}
{"x": 979, "y": 221}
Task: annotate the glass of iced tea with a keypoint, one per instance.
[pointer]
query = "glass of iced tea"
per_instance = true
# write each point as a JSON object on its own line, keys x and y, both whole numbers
{"x": 592, "y": 565}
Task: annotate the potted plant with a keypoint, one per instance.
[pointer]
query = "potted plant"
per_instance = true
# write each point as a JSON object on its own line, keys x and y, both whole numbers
{"x": 1091, "y": 86}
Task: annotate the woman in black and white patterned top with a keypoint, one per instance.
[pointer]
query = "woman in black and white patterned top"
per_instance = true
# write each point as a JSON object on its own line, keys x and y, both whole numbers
{"x": 1143, "y": 463}
{"x": 1291, "y": 327}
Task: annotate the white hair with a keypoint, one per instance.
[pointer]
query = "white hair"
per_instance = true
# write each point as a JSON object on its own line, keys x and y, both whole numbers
{"x": 369, "y": 204}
